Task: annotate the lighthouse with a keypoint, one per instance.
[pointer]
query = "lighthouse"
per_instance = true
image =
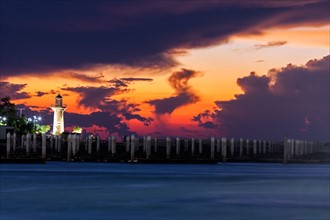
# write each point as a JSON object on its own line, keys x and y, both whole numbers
{"x": 58, "y": 108}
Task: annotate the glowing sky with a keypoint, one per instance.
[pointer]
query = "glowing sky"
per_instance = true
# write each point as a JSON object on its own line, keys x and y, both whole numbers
{"x": 251, "y": 69}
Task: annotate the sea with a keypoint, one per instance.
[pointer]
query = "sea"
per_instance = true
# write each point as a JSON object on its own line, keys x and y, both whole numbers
{"x": 233, "y": 191}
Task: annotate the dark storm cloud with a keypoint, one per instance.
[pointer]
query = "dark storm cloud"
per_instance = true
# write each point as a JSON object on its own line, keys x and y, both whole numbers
{"x": 270, "y": 44}
{"x": 13, "y": 90}
{"x": 41, "y": 36}
{"x": 296, "y": 105}
{"x": 183, "y": 93}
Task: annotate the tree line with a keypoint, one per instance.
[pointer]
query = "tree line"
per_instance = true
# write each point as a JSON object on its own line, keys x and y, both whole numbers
{"x": 21, "y": 124}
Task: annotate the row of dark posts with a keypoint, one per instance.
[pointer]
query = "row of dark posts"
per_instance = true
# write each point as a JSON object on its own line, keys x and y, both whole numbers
{"x": 211, "y": 149}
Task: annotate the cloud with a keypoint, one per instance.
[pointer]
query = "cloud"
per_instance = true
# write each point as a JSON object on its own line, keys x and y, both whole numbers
{"x": 93, "y": 97}
{"x": 129, "y": 112}
{"x": 168, "y": 105}
{"x": 123, "y": 82}
{"x": 179, "y": 80}
{"x": 85, "y": 78}
{"x": 118, "y": 83}
{"x": 112, "y": 122}
{"x": 206, "y": 119}
{"x": 100, "y": 98}
{"x": 130, "y": 116}
{"x": 40, "y": 93}
{"x": 134, "y": 79}
{"x": 292, "y": 101}
{"x": 270, "y": 44}
{"x": 183, "y": 93}
{"x": 54, "y": 35}
{"x": 13, "y": 90}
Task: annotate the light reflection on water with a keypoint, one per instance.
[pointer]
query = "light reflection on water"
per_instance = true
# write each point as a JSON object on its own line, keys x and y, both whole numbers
{"x": 59, "y": 190}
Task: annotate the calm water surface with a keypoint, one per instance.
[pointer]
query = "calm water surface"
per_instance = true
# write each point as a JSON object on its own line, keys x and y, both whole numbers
{"x": 82, "y": 191}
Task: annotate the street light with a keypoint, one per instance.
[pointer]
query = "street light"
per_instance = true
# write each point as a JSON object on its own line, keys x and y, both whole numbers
{"x": 3, "y": 120}
{"x": 35, "y": 120}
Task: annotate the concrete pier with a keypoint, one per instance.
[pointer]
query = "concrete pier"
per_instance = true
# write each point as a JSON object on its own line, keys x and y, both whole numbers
{"x": 97, "y": 144}
{"x": 192, "y": 146}
{"x": 254, "y": 147}
{"x": 168, "y": 147}
{"x": 247, "y": 147}
{"x": 148, "y": 147}
{"x": 59, "y": 143}
{"x": 113, "y": 145}
{"x": 264, "y": 147}
{"x": 240, "y": 147}
{"x": 286, "y": 151}
{"x": 109, "y": 144}
{"x": 23, "y": 139}
{"x": 291, "y": 148}
{"x": 132, "y": 148}
{"x": 232, "y": 147}
{"x": 28, "y": 143}
{"x": 53, "y": 147}
{"x": 90, "y": 144}
{"x": 14, "y": 141}
{"x": 43, "y": 146}
{"x": 74, "y": 144}
{"x": 212, "y": 147}
{"x": 144, "y": 144}
{"x": 78, "y": 142}
{"x": 186, "y": 145}
{"x": 224, "y": 149}
{"x": 34, "y": 143}
{"x": 69, "y": 148}
{"x": 218, "y": 146}
{"x": 177, "y": 146}
{"x": 8, "y": 145}
{"x": 54, "y": 142}
{"x": 127, "y": 144}
{"x": 156, "y": 145}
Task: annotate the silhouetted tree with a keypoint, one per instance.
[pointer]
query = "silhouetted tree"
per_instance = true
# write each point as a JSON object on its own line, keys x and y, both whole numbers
{"x": 8, "y": 110}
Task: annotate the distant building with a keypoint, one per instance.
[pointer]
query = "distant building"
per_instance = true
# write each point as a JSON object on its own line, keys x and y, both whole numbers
{"x": 58, "y": 108}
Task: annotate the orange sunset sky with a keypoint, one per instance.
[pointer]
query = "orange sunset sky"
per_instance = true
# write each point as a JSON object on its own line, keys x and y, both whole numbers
{"x": 219, "y": 73}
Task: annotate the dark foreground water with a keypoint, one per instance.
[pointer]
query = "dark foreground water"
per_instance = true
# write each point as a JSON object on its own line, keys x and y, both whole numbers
{"x": 123, "y": 191}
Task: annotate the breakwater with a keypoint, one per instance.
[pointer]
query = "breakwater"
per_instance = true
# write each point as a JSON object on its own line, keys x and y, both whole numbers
{"x": 39, "y": 148}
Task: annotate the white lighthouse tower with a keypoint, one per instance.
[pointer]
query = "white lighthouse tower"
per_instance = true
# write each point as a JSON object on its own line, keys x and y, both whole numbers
{"x": 58, "y": 108}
